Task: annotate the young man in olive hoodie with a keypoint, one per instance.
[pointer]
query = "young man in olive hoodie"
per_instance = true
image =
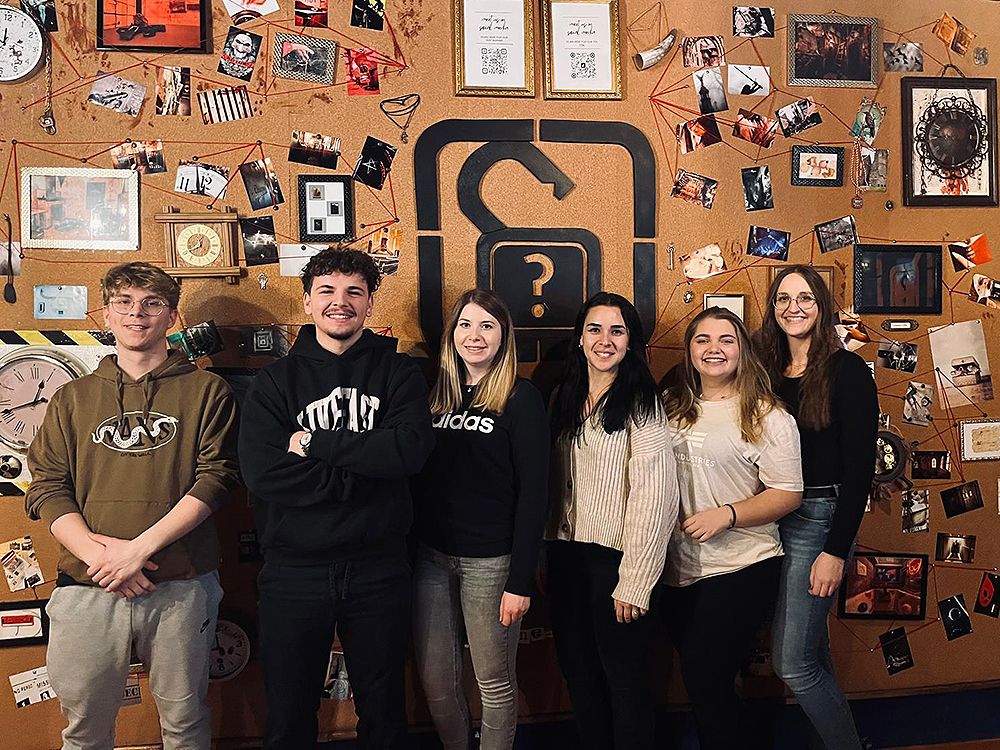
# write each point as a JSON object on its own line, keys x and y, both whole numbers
{"x": 328, "y": 437}
{"x": 130, "y": 463}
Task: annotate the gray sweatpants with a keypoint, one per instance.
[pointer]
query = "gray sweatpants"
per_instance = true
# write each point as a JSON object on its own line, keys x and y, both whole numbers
{"x": 90, "y": 637}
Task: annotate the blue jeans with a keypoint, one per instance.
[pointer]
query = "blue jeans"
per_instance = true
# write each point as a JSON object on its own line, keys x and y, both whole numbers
{"x": 452, "y": 594}
{"x": 801, "y": 649}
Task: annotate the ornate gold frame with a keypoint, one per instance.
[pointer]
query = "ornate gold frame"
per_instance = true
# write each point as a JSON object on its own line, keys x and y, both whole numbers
{"x": 463, "y": 89}
{"x": 613, "y": 93}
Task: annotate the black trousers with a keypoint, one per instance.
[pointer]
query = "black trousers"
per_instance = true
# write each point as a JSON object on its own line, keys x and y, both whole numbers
{"x": 367, "y": 601}
{"x": 712, "y": 624}
{"x": 606, "y": 663}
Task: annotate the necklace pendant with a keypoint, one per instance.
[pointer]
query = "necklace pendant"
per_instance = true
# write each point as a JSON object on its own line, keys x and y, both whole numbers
{"x": 857, "y": 201}
{"x": 404, "y": 137}
{"x": 48, "y": 122}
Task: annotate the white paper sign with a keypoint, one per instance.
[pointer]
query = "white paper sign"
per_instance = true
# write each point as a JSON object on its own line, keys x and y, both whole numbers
{"x": 493, "y": 54}
{"x": 581, "y": 47}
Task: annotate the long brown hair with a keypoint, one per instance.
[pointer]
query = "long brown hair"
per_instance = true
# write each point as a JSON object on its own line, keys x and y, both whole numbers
{"x": 753, "y": 386}
{"x": 771, "y": 343}
{"x": 494, "y": 389}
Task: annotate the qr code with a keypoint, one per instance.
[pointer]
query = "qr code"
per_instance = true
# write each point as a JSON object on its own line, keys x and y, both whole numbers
{"x": 583, "y": 64}
{"x": 494, "y": 61}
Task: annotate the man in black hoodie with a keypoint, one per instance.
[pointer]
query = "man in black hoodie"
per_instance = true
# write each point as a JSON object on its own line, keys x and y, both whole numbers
{"x": 329, "y": 435}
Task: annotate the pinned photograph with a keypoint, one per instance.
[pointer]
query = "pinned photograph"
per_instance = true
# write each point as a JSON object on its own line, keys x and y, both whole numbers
{"x": 43, "y": 11}
{"x": 292, "y": 257}
{"x": 384, "y": 248}
{"x": 987, "y": 601}
{"x": 242, "y": 11}
{"x": 261, "y": 184}
{"x": 955, "y": 548}
{"x": 117, "y": 94}
{"x": 757, "y": 194}
{"x": 768, "y": 243}
{"x": 917, "y": 404}
{"x": 916, "y": 511}
{"x": 20, "y": 565}
{"x": 314, "y": 149}
{"x": 874, "y": 169}
{"x": 304, "y": 58}
{"x": 362, "y": 72}
{"x": 962, "y": 499}
{"x": 173, "y": 91}
{"x": 368, "y": 14}
{"x": 836, "y": 234}
{"x": 962, "y": 363}
{"x": 699, "y": 133}
{"x": 703, "y": 262}
{"x": 239, "y": 53}
{"x": 145, "y": 157}
{"x": 710, "y": 90}
{"x": 753, "y": 21}
{"x": 374, "y": 163}
{"x": 694, "y": 188}
{"x": 955, "y": 617}
{"x": 930, "y": 465}
{"x": 31, "y": 686}
{"x": 852, "y": 333}
{"x": 336, "y": 684}
{"x": 903, "y": 57}
{"x": 818, "y": 166}
{"x": 798, "y": 116}
{"x": 735, "y": 303}
{"x": 868, "y": 120}
{"x": 224, "y": 105}
{"x": 703, "y": 51}
{"x": 896, "y": 650}
{"x": 954, "y": 33}
{"x": 749, "y": 80}
{"x": 311, "y": 13}
{"x": 971, "y": 253}
{"x": 980, "y": 439}
{"x": 260, "y": 244}
{"x": 897, "y": 355}
{"x": 885, "y": 586}
{"x": 833, "y": 50}
{"x": 756, "y": 128}
{"x": 985, "y": 291}
{"x": 10, "y": 265}
{"x": 200, "y": 178}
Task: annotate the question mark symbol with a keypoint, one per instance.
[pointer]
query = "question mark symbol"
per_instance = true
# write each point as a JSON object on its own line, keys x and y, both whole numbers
{"x": 548, "y": 270}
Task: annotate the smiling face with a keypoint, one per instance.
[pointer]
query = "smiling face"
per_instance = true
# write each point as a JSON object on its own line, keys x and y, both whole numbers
{"x": 715, "y": 352}
{"x": 137, "y": 330}
{"x": 338, "y": 304}
{"x": 792, "y": 319}
{"x": 604, "y": 339}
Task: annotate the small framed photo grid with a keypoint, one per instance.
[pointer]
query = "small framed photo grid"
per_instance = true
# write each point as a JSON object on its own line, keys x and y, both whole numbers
{"x": 326, "y": 208}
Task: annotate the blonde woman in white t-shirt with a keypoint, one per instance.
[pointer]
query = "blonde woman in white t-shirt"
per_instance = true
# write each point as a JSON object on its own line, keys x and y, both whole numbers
{"x": 738, "y": 471}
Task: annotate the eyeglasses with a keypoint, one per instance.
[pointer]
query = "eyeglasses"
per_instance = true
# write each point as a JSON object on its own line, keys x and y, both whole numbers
{"x": 804, "y": 301}
{"x": 150, "y": 305}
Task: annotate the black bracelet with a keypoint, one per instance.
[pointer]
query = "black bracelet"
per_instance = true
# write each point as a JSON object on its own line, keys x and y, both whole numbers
{"x": 732, "y": 511}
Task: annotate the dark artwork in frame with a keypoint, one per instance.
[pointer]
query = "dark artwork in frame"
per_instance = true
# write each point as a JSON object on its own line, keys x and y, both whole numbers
{"x": 895, "y": 279}
{"x": 885, "y": 586}
{"x": 326, "y": 208}
{"x": 138, "y": 26}
{"x": 833, "y": 50}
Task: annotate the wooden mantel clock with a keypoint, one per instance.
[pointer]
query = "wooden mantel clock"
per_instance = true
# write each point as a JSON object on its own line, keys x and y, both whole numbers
{"x": 201, "y": 245}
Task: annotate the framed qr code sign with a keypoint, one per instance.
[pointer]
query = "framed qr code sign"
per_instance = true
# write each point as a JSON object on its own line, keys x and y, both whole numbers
{"x": 582, "y": 58}
{"x": 494, "y": 48}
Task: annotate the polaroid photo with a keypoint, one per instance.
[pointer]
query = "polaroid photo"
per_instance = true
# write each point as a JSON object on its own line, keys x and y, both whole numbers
{"x": 985, "y": 291}
{"x": 896, "y": 650}
{"x": 987, "y": 601}
{"x": 261, "y": 184}
{"x": 955, "y": 616}
{"x": 980, "y": 439}
{"x": 798, "y": 117}
{"x": 884, "y": 586}
{"x": 20, "y": 564}
{"x": 710, "y": 90}
{"x": 368, "y": 14}
{"x": 930, "y": 465}
{"x": 304, "y": 58}
{"x": 962, "y": 499}
{"x": 241, "y": 11}
{"x": 292, "y": 257}
{"x": 749, "y": 80}
{"x": 733, "y": 302}
{"x": 239, "y": 53}
{"x": 971, "y": 253}
{"x": 43, "y": 11}
{"x": 145, "y": 157}
{"x": 868, "y": 120}
{"x": 897, "y": 355}
{"x": 173, "y": 91}
{"x": 336, "y": 684}
{"x": 703, "y": 51}
{"x": 201, "y": 178}
{"x": 836, "y": 234}
{"x": 31, "y": 686}
{"x": 117, "y": 94}
{"x": 699, "y": 133}
{"x": 314, "y": 149}
{"x": 362, "y": 72}
{"x": 58, "y": 302}
{"x": 768, "y": 243}
{"x": 374, "y": 163}
{"x": 757, "y": 194}
{"x": 874, "y": 175}
{"x": 917, "y": 404}
{"x": 703, "y": 262}
{"x": 916, "y": 511}
{"x": 753, "y": 21}
{"x": 962, "y": 362}
{"x": 260, "y": 246}
{"x": 224, "y": 105}
{"x": 756, "y": 128}
{"x": 384, "y": 249}
{"x": 903, "y": 57}
{"x": 694, "y": 188}
{"x": 312, "y": 13}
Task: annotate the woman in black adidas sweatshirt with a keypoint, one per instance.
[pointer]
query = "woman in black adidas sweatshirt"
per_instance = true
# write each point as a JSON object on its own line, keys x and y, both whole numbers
{"x": 479, "y": 506}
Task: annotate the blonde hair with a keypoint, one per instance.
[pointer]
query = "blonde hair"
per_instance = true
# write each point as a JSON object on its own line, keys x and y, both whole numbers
{"x": 141, "y": 276}
{"x": 493, "y": 391}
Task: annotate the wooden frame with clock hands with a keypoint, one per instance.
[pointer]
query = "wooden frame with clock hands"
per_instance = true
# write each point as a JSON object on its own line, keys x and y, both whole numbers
{"x": 201, "y": 245}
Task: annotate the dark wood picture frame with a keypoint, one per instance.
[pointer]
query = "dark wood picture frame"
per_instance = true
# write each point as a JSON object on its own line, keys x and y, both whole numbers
{"x": 911, "y": 161}
{"x": 308, "y": 233}
{"x": 123, "y": 33}
{"x": 836, "y": 181}
{"x": 869, "y": 297}
{"x": 26, "y": 604}
{"x": 859, "y": 601}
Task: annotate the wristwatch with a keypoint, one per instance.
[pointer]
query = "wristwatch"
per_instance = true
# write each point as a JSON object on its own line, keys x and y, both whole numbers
{"x": 304, "y": 442}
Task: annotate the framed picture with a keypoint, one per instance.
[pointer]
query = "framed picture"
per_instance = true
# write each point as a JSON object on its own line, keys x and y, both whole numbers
{"x": 326, "y": 208}
{"x": 173, "y": 26}
{"x": 732, "y": 302}
{"x": 494, "y": 48}
{"x": 949, "y": 141}
{"x": 980, "y": 439}
{"x": 833, "y": 50}
{"x": 885, "y": 586}
{"x": 895, "y": 279}
{"x": 304, "y": 58}
{"x": 66, "y": 208}
{"x": 818, "y": 166}
{"x": 24, "y": 623}
{"x": 825, "y": 273}
{"x": 582, "y": 58}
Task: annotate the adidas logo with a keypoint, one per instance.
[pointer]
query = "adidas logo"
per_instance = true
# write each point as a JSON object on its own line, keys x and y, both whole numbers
{"x": 464, "y": 421}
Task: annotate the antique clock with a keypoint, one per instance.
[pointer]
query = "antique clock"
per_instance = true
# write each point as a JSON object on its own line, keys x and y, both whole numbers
{"x": 22, "y": 45}
{"x": 201, "y": 245}
{"x": 230, "y": 653}
{"x": 951, "y": 137}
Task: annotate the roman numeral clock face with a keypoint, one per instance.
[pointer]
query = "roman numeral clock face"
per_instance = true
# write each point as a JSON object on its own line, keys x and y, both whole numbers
{"x": 953, "y": 138}
{"x": 27, "y": 383}
{"x": 21, "y": 45}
